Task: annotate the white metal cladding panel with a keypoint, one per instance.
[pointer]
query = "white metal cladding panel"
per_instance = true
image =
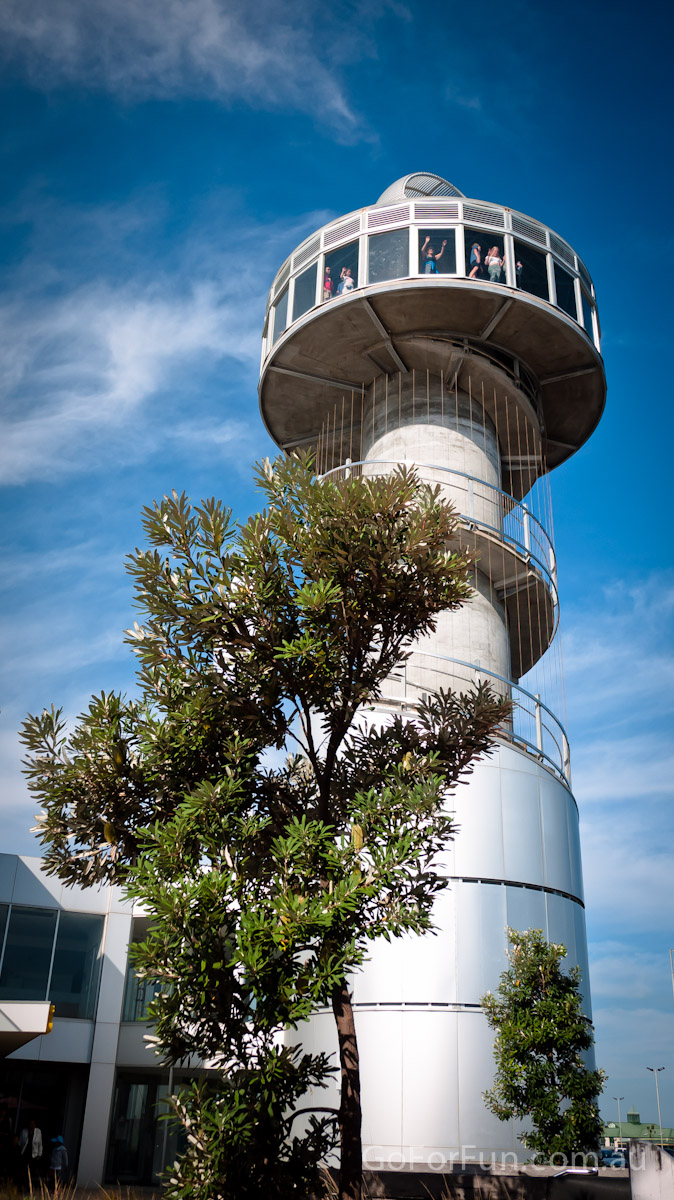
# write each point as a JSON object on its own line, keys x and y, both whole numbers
{"x": 522, "y": 833}
{"x": 282, "y": 277}
{"x": 430, "y": 1101}
{"x": 581, "y": 955}
{"x": 555, "y": 806}
{"x": 381, "y": 1036}
{"x": 562, "y": 926}
{"x": 340, "y": 233}
{"x": 477, "y": 1126}
{"x": 479, "y": 842}
{"x": 381, "y": 218}
{"x": 426, "y": 211}
{"x": 525, "y": 908}
{"x": 536, "y": 233}
{"x": 480, "y": 939}
{"x": 306, "y": 252}
{"x": 484, "y": 216}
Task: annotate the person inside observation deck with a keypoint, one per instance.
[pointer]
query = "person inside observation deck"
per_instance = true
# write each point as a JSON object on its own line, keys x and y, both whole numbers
{"x": 429, "y": 258}
{"x": 476, "y": 268}
{"x": 328, "y": 285}
{"x": 494, "y": 264}
{"x": 346, "y": 282}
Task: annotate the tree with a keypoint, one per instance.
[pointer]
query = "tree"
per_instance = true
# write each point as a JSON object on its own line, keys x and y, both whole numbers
{"x": 265, "y": 883}
{"x": 542, "y": 1035}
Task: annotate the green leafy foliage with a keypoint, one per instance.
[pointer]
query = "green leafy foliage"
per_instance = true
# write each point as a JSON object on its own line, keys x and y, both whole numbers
{"x": 265, "y": 880}
{"x": 542, "y": 1036}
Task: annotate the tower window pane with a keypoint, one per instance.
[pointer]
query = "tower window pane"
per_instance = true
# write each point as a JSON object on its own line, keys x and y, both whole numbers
{"x": 566, "y": 293}
{"x": 74, "y": 981}
{"x": 280, "y": 315}
{"x": 28, "y": 950}
{"x": 485, "y": 256}
{"x": 341, "y": 269}
{"x": 531, "y": 270}
{"x": 437, "y": 251}
{"x": 388, "y": 256}
{"x": 305, "y": 291}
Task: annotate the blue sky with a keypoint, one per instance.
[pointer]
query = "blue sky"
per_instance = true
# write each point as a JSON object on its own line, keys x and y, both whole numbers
{"x": 159, "y": 161}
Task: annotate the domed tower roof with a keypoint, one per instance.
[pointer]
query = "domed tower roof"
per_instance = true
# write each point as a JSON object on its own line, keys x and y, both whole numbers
{"x": 420, "y": 183}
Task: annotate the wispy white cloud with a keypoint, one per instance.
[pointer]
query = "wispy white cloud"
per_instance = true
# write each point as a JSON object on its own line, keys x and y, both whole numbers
{"x": 268, "y": 55}
{"x": 81, "y": 364}
{"x": 86, "y": 354}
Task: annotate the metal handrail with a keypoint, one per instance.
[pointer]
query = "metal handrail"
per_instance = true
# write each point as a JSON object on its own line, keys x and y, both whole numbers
{"x": 560, "y": 766}
{"x": 549, "y": 569}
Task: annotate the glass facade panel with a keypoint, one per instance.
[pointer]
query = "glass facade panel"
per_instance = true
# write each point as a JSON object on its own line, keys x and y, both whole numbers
{"x": 566, "y": 292}
{"x": 531, "y": 270}
{"x": 485, "y": 256}
{"x": 388, "y": 256}
{"x": 74, "y": 981}
{"x": 141, "y": 1143}
{"x": 4, "y": 909}
{"x": 587, "y": 313}
{"x": 305, "y": 291}
{"x": 341, "y": 271}
{"x": 280, "y": 315}
{"x": 437, "y": 252}
{"x": 28, "y": 951}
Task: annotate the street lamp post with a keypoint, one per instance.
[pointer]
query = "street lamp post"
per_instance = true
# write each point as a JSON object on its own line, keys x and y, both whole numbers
{"x": 655, "y": 1071}
{"x": 620, "y": 1131}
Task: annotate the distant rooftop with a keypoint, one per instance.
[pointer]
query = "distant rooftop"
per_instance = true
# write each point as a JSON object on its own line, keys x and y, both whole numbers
{"x": 419, "y": 184}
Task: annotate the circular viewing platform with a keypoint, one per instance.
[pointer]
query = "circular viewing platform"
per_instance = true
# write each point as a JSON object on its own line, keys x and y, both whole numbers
{"x": 412, "y": 285}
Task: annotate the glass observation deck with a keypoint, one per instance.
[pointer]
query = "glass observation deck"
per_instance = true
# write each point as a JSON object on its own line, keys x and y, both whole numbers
{"x": 434, "y": 241}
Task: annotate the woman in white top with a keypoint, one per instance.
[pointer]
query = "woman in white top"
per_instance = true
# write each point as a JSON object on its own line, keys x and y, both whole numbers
{"x": 494, "y": 264}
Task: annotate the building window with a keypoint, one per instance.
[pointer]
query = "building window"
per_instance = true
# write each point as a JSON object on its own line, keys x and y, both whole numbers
{"x": 305, "y": 291}
{"x": 437, "y": 252}
{"x": 388, "y": 256}
{"x": 27, "y": 959}
{"x": 280, "y": 315}
{"x": 34, "y": 968}
{"x": 74, "y": 980}
{"x": 341, "y": 271}
{"x": 531, "y": 270}
{"x": 485, "y": 256}
{"x": 566, "y": 291}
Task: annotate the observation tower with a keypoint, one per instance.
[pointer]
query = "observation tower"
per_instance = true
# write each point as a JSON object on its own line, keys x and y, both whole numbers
{"x": 462, "y": 337}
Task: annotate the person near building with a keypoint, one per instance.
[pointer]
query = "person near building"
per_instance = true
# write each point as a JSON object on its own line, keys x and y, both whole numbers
{"x": 58, "y": 1162}
{"x": 30, "y": 1149}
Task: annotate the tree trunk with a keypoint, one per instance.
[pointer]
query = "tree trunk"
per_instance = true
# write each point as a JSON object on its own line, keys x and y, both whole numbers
{"x": 351, "y": 1159}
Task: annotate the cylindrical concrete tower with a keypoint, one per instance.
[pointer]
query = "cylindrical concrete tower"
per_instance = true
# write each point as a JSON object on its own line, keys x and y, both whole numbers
{"x": 461, "y": 337}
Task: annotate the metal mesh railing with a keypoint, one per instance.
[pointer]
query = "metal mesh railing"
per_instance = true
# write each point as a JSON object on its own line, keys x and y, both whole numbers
{"x": 478, "y": 503}
{"x": 533, "y": 726}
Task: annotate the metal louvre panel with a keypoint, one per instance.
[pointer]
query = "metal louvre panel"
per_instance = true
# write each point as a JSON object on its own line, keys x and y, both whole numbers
{"x": 429, "y": 185}
{"x": 381, "y": 218}
{"x": 307, "y": 252}
{"x": 585, "y": 276}
{"x": 563, "y": 251}
{"x": 425, "y": 211}
{"x": 484, "y": 216}
{"x": 282, "y": 277}
{"x": 341, "y": 232}
{"x": 535, "y": 233}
